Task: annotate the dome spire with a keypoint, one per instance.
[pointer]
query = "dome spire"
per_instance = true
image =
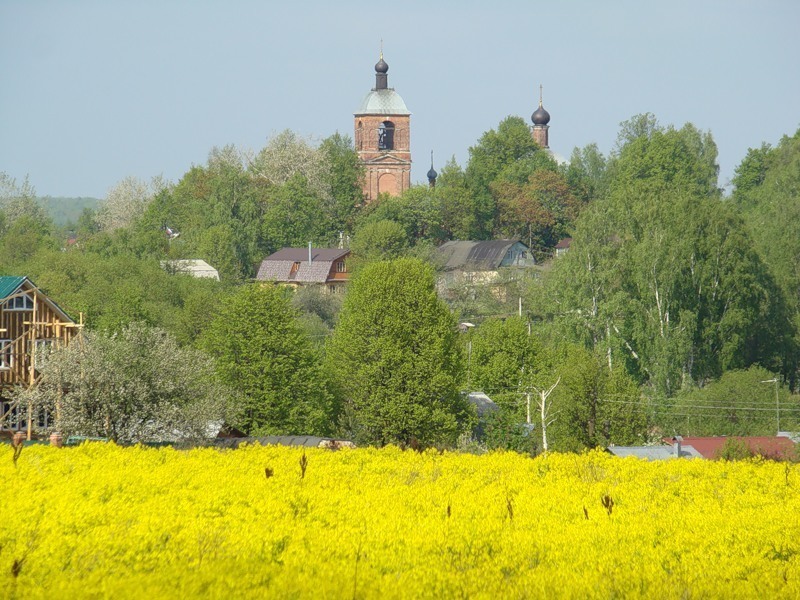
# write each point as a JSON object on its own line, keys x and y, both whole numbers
{"x": 432, "y": 174}
{"x": 381, "y": 68}
{"x": 540, "y": 116}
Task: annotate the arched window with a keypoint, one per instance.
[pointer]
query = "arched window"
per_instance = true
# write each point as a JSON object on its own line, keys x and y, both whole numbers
{"x": 360, "y": 136}
{"x": 386, "y": 136}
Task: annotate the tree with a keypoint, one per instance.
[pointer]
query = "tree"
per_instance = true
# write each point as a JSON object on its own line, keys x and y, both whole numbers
{"x": 395, "y": 357}
{"x": 741, "y": 402}
{"x": 768, "y": 195}
{"x": 662, "y": 273}
{"x": 541, "y": 211}
{"x": 126, "y": 202}
{"x": 379, "y": 240}
{"x": 345, "y": 176}
{"x": 495, "y": 152}
{"x": 131, "y": 386}
{"x": 263, "y": 352}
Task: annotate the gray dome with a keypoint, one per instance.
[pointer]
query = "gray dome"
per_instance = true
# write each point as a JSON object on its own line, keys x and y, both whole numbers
{"x": 381, "y": 66}
{"x": 540, "y": 116}
{"x": 383, "y": 102}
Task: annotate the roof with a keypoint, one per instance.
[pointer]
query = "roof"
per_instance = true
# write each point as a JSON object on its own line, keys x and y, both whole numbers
{"x": 383, "y": 102}
{"x": 483, "y": 404}
{"x": 193, "y": 267}
{"x": 9, "y": 285}
{"x": 475, "y": 256}
{"x": 776, "y": 447}
{"x": 278, "y": 266}
{"x": 653, "y": 452}
{"x": 563, "y": 243}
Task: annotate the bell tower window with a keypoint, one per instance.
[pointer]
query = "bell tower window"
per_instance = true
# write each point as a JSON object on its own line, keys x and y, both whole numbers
{"x": 386, "y": 136}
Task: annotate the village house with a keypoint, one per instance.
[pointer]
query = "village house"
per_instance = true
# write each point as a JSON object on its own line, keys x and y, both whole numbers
{"x": 296, "y": 267}
{"x": 479, "y": 263}
{"x": 30, "y": 324}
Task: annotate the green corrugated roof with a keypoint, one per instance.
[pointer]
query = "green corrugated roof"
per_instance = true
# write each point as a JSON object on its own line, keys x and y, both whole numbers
{"x": 8, "y": 285}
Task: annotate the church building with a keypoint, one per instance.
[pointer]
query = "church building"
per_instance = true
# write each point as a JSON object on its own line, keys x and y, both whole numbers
{"x": 383, "y": 138}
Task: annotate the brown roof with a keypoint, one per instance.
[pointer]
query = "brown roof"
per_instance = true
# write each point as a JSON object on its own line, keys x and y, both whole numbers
{"x": 768, "y": 446}
{"x": 563, "y": 243}
{"x": 278, "y": 266}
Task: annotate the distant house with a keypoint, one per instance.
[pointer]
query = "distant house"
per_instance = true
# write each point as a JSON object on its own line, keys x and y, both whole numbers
{"x": 480, "y": 262}
{"x": 30, "y": 324}
{"x": 778, "y": 447}
{"x": 193, "y": 267}
{"x": 307, "y": 266}
{"x": 562, "y": 247}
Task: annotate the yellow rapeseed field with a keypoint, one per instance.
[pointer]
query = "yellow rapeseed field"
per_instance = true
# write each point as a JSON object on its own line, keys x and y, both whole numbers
{"x": 100, "y": 521}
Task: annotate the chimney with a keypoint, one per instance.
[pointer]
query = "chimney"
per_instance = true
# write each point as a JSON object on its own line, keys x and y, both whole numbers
{"x": 309, "y": 254}
{"x": 676, "y": 445}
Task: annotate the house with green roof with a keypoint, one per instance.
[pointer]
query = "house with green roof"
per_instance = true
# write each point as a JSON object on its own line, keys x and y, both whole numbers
{"x": 30, "y": 324}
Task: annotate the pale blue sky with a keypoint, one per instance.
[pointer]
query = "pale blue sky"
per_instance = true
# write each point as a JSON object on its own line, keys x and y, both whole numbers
{"x": 94, "y": 91}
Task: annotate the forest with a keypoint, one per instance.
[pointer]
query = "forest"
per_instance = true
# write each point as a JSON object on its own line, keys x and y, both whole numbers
{"x": 676, "y": 309}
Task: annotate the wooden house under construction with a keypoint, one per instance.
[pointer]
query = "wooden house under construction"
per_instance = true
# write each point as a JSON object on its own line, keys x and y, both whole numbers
{"x": 30, "y": 325}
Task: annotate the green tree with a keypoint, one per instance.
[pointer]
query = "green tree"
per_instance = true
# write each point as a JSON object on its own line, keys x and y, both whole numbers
{"x": 663, "y": 274}
{"x": 497, "y": 151}
{"x": 263, "y": 352}
{"x": 768, "y": 195}
{"x": 396, "y": 359}
{"x": 379, "y": 240}
{"x": 345, "y": 177}
{"x": 741, "y": 402}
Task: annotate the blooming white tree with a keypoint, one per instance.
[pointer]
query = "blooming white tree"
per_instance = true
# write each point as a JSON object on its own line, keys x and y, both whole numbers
{"x": 131, "y": 386}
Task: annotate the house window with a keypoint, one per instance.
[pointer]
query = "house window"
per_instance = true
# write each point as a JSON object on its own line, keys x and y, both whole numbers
{"x": 22, "y": 302}
{"x": 5, "y": 355}
{"x": 386, "y": 136}
{"x": 341, "y": 267}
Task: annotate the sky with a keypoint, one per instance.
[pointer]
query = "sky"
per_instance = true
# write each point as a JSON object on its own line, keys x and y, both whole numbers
{"x": 94, "y": 91}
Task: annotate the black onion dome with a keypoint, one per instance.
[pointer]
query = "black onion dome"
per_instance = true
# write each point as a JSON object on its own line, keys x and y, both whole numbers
{"x": 432, "y": 174}
{"x": 381, "y": 66}
{"x": 540, "y": 116}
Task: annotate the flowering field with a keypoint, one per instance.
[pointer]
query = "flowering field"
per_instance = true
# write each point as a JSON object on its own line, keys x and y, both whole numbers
{"x": 100, "y": 521}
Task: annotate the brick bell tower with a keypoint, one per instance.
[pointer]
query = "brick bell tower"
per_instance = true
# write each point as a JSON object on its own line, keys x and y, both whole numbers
{"x": 383, "y": 138}
{"x": 541, "y": 118}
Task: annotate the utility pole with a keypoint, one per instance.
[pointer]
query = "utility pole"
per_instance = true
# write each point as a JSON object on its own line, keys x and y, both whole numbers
{"x": 777, "y": 402}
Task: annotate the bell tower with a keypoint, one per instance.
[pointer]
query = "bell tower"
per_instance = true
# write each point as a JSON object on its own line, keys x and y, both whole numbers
{"x": 383, "y": 138}
{"x": 541, "y": 118}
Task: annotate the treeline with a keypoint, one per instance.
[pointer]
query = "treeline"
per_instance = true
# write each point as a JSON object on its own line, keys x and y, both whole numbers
{"x": 675, "y": 310}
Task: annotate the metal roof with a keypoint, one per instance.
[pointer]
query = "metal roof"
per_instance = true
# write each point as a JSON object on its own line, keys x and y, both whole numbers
{"x": 475, "y": 256}
{"x": 9, "y": 285}
{"x": 653, "y": 452}
{"x": 193, "y": 267}
{"x": 383, "y": 102}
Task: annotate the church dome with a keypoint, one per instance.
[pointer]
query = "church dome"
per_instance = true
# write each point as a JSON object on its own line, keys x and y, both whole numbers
{"x": 383, "y": 102}
{"x": 381, "y": 66}
{"x": 540, "y": 116}
{"x": 432, "y": 174}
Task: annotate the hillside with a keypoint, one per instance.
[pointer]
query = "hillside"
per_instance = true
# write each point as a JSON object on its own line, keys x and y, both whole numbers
{"x": 66, "y": 210}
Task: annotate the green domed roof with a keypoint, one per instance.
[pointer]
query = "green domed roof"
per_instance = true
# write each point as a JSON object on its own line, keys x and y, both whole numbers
{"x": 383, "y": 102}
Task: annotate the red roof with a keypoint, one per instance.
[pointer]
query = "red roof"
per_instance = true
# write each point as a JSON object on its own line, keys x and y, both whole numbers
{"x": 767, "y": 446}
